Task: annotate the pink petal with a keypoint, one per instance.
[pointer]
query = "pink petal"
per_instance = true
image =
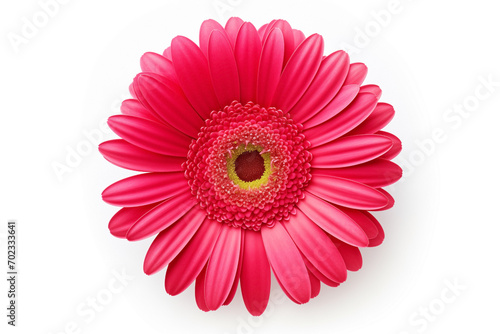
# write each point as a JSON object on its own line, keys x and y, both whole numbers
{"x": 125, "y": 218}
{"x": 232, "y": 27}
{"x": 168, "y": 53}
{"x": 247, "y": 52}
{"x": 380, "y": 235}
{"x": 315, "y": 245}
{"x": 222, "y": 266}
{"x": 234, "y": 287}
{"x": 169, "y": 102}
{"x": 373, "y": 89}
{"x": 270, "y": 66}
{"x": 149, "y": 135}
{"x": 396, "y": 145}
{"x": 287, "y": 263}
{"x": 169, "y": 242}
{"x": 135, "y": 108}
{"x": 298, "y": 37}
{"x": 376, "y": 173}
{"x": 390, "y": 200}
{"x": 153, "y": 62}
{"x": 346, "y": 193}
{"x": 288, "y": 37}
{"x": 200, "y": 291}
{"x": 145, "y": 189}
{"x": 315, "y": 285}
{"x": 351, "y": 255}
{"x": 357, "y": 74}
{"x": 139, "y": 93}
{"x": 326, "y": 84}
{"x": 350, "y": 151}
{"x": 125, "y": 155}
{"x": 206, "y": 29}
{"x": 380, "y": 117}
{"x": 255, "y": 274}
{"x": 184, "y": 269}
{"x": 344, "y": 122}
{"x": 131, "y": 90}
{"x": 333, "y": 220}
{"x": 299, "y": 73}
{"x": 191, "y": 67}
{"x": 223, "y": 69}
{"x": 287, "y": 293}
{"x": 262, "y": 30}
{"x": 316, "y": 273}
{"x": 363, "y": 221}
{"x": 340, "y": 102}
{"x": 161, "y": 217}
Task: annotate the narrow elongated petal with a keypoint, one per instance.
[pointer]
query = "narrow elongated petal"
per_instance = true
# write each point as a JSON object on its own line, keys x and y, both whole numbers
{"x": 222, "y": 266}
{"x": 298, "y": 37}
{"x": 149, "y": 135}
{"x": 191, "y": 67}
{"x": 145, "y": 189}
{"x": 223, "y": 69}
{"x": 262, "y": 30}
{"x": 390, "y": 200}
{"x": 206, "y": 29}
{"x": 325, "y": 85}
{"x": 373, "y": 89}
{"x": 333, "y": 220}
{"x": 316, "y": 273}
{"x": 236, "y": 281}
{"x": 135, "y": 108}
{"x": 170, "y": 104}
{"x": 167, "y": 53}
{"x": 345, "y": 96}
{"x": 396, "y": 145}
{"x": 376, "y": 173}
{"x": 199, "y": 290}
{"x": 287, "y": 263}
{"x": 315, "y": 285}
{"x": 161, "y": 217}
{"x": 288, "y": 37}
{"x": 351, "y": 255}
{"x": 299, "y": 73}
{"x": 184, "y": 269}
{"x": 357, "y": 74}
{"x": 315, "y": 245}
{"x": 363, "y": 221}
{"x": 380, "y": 117}
{"x": 350, "y": 151}
{"x": 169, "y": 242}
{"x": 270, "y": 66}
{"x": 232, "y": 28}
{"x": 380, "y": 235}
{"x": 126, "y": 155}
{"x": 247, "y": 52}
{"x": 347, "y": 193}
{"x": 125, "y": 218}
{"x": 171, "y": 80}
{"x": 344, "y": 122}
{"x": 255, "y": 274}
{"x": 153, "y": 62}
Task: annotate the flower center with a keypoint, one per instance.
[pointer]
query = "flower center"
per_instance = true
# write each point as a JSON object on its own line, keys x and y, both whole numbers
{"x": 249, "y": 166}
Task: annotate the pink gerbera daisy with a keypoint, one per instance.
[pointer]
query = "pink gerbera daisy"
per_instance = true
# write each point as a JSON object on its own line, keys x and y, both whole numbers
{"x": 260, "y": 154}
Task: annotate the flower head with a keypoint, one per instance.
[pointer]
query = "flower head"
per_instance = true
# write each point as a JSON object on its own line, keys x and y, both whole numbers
{"x": 260, "y": 154}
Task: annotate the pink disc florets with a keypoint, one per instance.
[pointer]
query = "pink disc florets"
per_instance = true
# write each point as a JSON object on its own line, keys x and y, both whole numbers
{"x": 232, "y": 183}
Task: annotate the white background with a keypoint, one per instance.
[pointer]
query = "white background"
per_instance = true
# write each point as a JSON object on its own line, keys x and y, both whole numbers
{"x": 430, "y": 58}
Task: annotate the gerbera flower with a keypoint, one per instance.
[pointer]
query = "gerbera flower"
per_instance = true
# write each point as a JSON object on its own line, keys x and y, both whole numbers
{"x": 260, "y": 154}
